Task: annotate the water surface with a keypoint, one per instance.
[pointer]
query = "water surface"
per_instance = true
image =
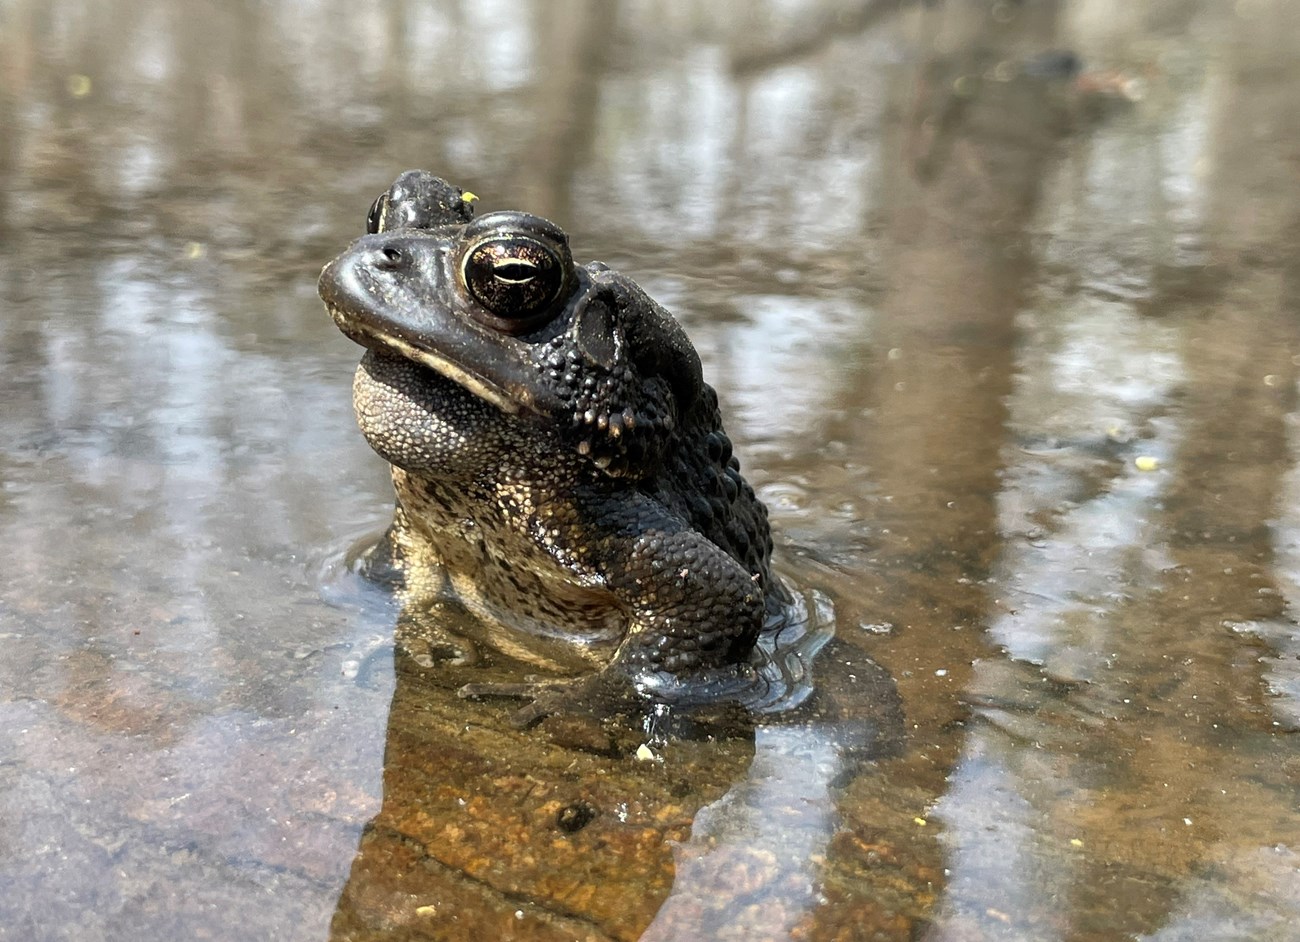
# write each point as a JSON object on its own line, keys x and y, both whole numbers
{"x": 1000, "y": 300}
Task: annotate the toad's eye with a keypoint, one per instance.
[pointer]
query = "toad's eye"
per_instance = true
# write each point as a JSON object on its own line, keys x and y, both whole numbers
{"x": 515, "y": 277}
{"x": 375, "y": 218}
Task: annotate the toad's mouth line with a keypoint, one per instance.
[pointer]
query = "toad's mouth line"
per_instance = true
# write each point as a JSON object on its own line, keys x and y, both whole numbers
{"x": 374, "y": 338}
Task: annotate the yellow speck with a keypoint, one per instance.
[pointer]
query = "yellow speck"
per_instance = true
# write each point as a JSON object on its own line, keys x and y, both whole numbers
{"x": 195, "y": 250}
{"x": 1270, "y": 380}
{"x": 1146, "y": 463}
{"x": 1075, "y": 842}
{"x": 645, "y": 754}
{"x": 79, "y": 85}
{"x": 468, "y": 197}
{"x": 426, "y": 910}
{"x": 920, "y": 822}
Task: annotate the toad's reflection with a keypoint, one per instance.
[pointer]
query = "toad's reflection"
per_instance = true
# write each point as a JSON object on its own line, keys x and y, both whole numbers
{"x": 560, "y": 832}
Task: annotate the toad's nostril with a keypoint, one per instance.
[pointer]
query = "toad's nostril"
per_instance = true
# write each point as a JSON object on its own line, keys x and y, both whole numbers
{"x": 391, "y": 257}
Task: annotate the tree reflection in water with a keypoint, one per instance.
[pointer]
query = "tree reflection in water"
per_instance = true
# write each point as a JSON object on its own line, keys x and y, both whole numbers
{"x": 954, "y": 269}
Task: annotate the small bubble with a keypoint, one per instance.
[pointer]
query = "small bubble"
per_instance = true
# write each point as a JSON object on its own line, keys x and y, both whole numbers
{"x": 965, "y": 86}
{"x": 1004, "y": 71}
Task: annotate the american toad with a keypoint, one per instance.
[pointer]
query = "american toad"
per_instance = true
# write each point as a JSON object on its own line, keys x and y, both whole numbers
{"x": 559, "y": 462}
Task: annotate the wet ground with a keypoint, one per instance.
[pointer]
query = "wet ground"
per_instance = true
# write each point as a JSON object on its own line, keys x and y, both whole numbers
{"x": 1001, "y": 300}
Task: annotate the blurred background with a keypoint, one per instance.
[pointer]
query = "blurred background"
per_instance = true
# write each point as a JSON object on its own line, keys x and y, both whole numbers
{"x": 1000, "y": 297}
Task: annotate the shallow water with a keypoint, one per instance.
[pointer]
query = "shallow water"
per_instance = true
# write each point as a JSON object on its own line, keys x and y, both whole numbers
{"x": 1000, "y": 300}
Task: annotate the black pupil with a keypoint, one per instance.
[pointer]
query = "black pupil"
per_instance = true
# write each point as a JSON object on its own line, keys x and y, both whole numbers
{"x": 514, "y": 272}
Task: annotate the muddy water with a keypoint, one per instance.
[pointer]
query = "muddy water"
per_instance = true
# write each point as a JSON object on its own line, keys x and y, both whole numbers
{"x": 1001, "y": 301}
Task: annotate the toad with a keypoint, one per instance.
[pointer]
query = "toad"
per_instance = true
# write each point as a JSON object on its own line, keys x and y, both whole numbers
{"x": 559, "y": 462}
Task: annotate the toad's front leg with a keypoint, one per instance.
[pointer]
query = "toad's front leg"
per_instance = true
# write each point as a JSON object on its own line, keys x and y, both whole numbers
{"x": 692, "y": 612}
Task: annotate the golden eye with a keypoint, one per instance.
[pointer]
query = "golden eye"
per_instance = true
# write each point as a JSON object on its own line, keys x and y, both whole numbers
{"x": 515, "y": 277}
